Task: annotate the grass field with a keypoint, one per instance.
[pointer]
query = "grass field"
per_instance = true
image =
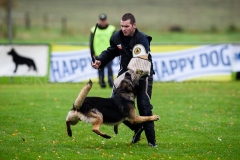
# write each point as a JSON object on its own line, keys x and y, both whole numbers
{"x": 156, "y": 15}
{"x": 206, "y": 21}
{"x": 54, "y": 36}
{"x": 199, "y": 120}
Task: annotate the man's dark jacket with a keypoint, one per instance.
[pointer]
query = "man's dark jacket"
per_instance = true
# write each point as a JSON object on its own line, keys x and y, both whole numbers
{"x": 117, "y": 48}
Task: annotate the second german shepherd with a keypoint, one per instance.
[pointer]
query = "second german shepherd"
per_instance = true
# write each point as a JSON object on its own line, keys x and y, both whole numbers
{"x": 112, "y": 111}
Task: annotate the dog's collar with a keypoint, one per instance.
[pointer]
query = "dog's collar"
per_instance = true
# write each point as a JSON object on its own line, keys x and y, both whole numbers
{"x": 128, "y": 96}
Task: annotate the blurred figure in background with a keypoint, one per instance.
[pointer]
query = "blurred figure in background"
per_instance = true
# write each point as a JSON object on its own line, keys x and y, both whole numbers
{"x": 101, "y": 42}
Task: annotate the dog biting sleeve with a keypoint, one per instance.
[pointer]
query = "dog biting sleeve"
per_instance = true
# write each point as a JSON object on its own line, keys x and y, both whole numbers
{"x": 137, "y": 68}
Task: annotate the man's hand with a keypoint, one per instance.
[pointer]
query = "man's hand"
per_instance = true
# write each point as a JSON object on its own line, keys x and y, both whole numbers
{"x": 96, "y": 64}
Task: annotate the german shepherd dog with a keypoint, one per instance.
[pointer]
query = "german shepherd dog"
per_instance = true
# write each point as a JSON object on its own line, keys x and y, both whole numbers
{"x": 111, "y": 111}
{"x": 19, "y": 60}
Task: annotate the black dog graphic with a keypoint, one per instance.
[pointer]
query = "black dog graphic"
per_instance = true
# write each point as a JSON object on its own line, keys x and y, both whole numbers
{"x": 19, "y": 60}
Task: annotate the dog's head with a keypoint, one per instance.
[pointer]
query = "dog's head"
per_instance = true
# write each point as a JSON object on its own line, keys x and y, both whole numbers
{"x": 127, "y": 84}
{"x": 71, "y": 119}
{"x": 12, "y": 52}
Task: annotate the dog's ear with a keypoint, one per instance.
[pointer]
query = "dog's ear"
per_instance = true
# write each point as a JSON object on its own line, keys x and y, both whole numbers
{"x": 128, "y": 76}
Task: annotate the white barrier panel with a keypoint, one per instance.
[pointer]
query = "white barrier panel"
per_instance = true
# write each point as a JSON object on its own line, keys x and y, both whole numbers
{"x": 23, "y": 60}
{"x": 236, "y": 58}
{"x": 73, "y": 66}
{"x": 210, "y": 60}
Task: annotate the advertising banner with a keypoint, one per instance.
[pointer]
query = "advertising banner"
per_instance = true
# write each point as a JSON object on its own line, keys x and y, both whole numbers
{"x": 171, "y": 63}
{"x": 23, "y": 60}
{"x": 198, "y": 62}
{"x": 236, "y": 58}
{"x": 73, "y": 64}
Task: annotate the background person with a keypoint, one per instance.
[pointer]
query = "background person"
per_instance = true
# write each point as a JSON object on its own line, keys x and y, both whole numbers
{"x": 101, "y": 42}
{"x": 121, "y": 44}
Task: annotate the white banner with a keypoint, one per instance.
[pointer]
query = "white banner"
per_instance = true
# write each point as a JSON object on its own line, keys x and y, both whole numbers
{"x": 74, "y": 66}
{"x": 211, "y": 60}
{"x": 23, "y": 60}
{"x": 236, "y": 58}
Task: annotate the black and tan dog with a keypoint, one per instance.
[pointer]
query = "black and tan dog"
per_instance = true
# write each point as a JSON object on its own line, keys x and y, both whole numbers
{"x": 112, "y": 111}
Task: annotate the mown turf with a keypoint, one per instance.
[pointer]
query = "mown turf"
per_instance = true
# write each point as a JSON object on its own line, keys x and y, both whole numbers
{"x": 24, "y": 36}
{"x": 199, "y": 120}
{"x": 204, "y": 21}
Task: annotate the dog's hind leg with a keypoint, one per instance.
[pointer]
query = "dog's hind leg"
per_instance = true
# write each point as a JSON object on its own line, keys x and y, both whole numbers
{"x": 96, "y": 127}
{"x": 32, "y": 65}
{"x": 115, "y": 129}
{"x": 97, "y": 121}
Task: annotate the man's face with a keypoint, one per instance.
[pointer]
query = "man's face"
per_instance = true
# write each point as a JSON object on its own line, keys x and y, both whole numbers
{"x": 128, "y": 29}
{"x": 103, "y": 23}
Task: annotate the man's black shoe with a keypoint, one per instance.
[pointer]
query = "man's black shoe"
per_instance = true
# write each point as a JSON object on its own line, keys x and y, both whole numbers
{"x": 154, "y": 145}
{"x": 103, "y": 85}
{"x": 137, "y": 135}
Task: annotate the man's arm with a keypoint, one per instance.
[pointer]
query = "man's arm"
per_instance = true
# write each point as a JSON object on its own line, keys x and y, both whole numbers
{"x": 96, "y": 64}
{"x": 109, "y": 54}
{"x": 145, "y": 43}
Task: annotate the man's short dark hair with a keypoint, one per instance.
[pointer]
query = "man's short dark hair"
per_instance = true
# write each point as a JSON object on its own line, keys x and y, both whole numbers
{"x": 128, "y": 16}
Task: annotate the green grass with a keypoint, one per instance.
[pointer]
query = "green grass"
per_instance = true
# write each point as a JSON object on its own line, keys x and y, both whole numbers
{"x": 199, "y": 120}
{"x": 205, "y": 21}
{"x": 154, "y": 15}
{"x": 38, "y": 35}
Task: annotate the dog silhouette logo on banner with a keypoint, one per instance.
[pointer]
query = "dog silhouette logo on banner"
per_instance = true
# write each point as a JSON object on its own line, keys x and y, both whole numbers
{"x": 20, "y": 60}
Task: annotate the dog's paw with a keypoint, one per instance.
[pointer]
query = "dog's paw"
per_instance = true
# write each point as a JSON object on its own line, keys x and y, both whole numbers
{"x": 157, "y": 117}
{"x": 70, "y": 133}
{"x": 116, "y": 129}
{"x": 106, "y": 136}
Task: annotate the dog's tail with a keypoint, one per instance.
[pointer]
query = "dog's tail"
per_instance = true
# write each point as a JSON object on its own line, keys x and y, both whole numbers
{"x": 72, "y": 117}
{"x": 82, "y": 95}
